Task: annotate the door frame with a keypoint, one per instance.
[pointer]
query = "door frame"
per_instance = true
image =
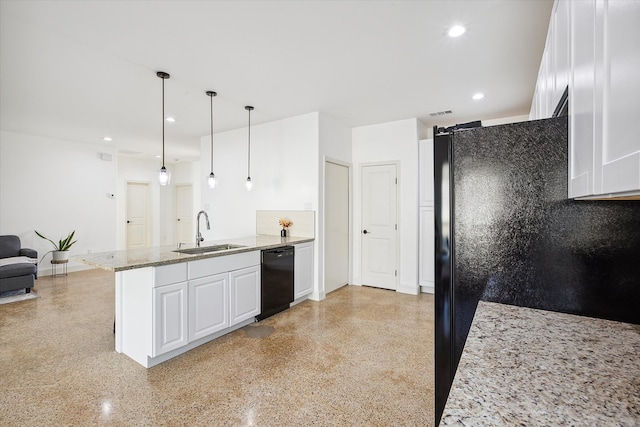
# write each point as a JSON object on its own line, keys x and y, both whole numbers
{"x": 349, "y": 167}
{"x": 396, "y": 163}
{"x": 148, "y": 211}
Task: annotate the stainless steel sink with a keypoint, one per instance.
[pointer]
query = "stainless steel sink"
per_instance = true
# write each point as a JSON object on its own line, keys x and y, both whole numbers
{"x": 205, "y": 249}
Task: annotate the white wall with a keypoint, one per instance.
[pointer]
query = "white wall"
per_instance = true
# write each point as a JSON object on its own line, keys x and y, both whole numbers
{"x": 57, "y": 186}
{"x": 334, "y": 144}
{"x": 505, "y": 120}
{"x": 284, "y": 171}
{"x": 393, "y": 141}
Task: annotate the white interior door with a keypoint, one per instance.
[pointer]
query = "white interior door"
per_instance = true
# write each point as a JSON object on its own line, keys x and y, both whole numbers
{"x": 379, "y": 226}
{"x": 137, "y": 215}
{"x": 184, "y": 214}
{"x": 336, "y": 213}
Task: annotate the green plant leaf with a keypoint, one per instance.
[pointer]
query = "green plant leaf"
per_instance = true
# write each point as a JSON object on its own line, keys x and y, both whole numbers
{"x": 67, "y": 243}
{"x": 63, "y": 244}
{"x": 46, "y": 238}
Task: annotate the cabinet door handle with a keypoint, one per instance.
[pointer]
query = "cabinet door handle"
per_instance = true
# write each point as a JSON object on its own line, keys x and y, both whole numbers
{"x": 128, "y": 222}
{"x": 178, "y": 219}
{"x": 366, "y": 232}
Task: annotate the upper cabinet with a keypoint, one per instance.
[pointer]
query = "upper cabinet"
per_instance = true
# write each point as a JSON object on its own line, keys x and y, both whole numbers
{"x": 555, "y": 67}
{"x": 621, "y": 106}
{"x": 426, "y": 245}
{"x": 425, "y": 153}
{"x": 593, "y": 46}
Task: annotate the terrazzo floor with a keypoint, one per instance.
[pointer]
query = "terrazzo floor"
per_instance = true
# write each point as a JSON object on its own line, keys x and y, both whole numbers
{"x": 361, "y": 357}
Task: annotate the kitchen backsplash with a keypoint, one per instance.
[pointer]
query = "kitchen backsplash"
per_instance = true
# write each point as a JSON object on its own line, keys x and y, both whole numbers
{"x": 303, "y": 223}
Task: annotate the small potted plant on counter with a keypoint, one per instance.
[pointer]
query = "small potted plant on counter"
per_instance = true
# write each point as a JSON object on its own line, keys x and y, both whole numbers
{"x": 285, "y": 224}
{"x": 60, "y": 250}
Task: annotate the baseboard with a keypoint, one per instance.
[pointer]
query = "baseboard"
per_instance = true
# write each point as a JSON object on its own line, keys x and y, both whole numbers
{"x": 408, "y": 289}
{"x": 317, "y": 296}
{"x": 427, "y": 289}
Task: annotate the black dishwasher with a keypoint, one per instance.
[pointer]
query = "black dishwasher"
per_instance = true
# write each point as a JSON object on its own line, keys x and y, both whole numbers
{"x": 276, "y": 281}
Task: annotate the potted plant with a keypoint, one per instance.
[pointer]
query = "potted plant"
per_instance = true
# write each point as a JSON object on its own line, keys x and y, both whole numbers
{"x": 60, "y": 250}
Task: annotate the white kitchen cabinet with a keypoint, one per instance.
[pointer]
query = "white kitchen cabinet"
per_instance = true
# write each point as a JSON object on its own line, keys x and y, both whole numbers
{"x": 244, "y": 290}
{"x": 170, "y": 316}
{"x": 303, "y": 270}
{"x": 208, "y": 305}
{"x": 167, "y": 310}
{"x": 604, "y": 155}
{"x": 425, "y": 152}
{"x": 561, "y": 24}
{"x": 621, "y": 142}
{"x": 533, "y": 112}
{"x": 169, "y": 274}
{"x": 554, "y": 71}
{"x": 426, "y": 273}
{"x": 426, "y": 226}
{"x": 582, "y": 99}
{"x": 546, "y": 89}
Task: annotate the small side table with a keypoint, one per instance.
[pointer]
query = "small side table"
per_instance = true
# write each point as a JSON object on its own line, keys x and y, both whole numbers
{"x": 54, "y": 265}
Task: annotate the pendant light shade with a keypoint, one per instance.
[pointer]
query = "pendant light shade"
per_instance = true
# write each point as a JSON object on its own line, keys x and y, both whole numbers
{"x": 163, "y": 175}
{"x": 212, "y": 181}
{"x": 248, "y": 184}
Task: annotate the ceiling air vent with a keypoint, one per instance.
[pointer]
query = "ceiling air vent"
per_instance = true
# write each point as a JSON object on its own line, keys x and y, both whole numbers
{"x": 440, "y": 113}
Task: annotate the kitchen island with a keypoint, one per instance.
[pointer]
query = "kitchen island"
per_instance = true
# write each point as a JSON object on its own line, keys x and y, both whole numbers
{"x": 168, "y": 302}
{"x": 522, "y": 366}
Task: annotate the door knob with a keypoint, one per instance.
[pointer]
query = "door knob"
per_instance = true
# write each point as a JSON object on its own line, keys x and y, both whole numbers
{"x": 128, "y": 222}
{"x": 178, "y": 219}
{"x": 366, "y": 232}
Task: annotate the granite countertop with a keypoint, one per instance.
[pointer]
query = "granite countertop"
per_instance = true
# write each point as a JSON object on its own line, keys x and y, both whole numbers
{"x": 529, "y": 367}
{"x": 164, "y": 255}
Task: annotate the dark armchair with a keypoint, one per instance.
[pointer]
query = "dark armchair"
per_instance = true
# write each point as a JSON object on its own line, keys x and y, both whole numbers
{"x": 18, "y": 266}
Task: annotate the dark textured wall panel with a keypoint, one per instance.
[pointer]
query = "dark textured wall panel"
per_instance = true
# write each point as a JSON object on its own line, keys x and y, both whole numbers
{"x": 519, "y": 240}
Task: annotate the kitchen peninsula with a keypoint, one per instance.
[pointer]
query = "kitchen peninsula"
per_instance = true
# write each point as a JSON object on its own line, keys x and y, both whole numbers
{"x": 169, "y": 302}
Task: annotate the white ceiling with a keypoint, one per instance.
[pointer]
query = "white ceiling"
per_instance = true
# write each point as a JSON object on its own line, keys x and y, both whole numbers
{"x": 81, "y": 70}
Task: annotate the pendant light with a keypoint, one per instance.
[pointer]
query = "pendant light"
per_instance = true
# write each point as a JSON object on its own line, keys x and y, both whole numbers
{"x": 163, "y": 174}
{"x": 212, "y": 181}
{"x": 249, "y": 184}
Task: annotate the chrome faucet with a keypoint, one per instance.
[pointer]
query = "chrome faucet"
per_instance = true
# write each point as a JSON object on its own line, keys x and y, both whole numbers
{"x": 199, "y": 237}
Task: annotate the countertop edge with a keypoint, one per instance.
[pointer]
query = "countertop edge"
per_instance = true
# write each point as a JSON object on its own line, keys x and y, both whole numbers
{"x": 92, "y": 259}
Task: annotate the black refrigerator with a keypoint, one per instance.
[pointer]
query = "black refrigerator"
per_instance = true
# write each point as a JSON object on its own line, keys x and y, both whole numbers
{"x": 506, "y": 233}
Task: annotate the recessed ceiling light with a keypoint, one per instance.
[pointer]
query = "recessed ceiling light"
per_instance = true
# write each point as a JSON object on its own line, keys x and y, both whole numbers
{"x": 456, "y": 31}
{"x": 171, "y": 119}
{"x": 107, "y": 138}
{"x": 478, "y": 96}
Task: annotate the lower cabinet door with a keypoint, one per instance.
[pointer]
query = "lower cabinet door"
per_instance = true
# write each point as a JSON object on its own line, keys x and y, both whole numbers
{"x": 208, "y": 305}
{"x": 170, "y": 318}
{"x": 303, "y": 270}
{"x": 426, "y": 270}
{"x": 244, "y": 294}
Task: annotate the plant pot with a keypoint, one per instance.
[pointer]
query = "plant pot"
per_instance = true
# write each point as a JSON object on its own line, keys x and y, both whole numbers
{"x": 283, "y": 232}
{"x": 60, "y": 255}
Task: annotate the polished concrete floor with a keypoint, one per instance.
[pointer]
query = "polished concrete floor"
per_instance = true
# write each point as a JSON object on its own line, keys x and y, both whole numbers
{"x": 361, "y": 357}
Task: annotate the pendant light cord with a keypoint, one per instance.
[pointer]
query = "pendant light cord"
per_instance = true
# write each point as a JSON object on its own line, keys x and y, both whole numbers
{"x": 211, "y": 96}
{"x": 162, "y": 121}
{"x": 249, "y": 150}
